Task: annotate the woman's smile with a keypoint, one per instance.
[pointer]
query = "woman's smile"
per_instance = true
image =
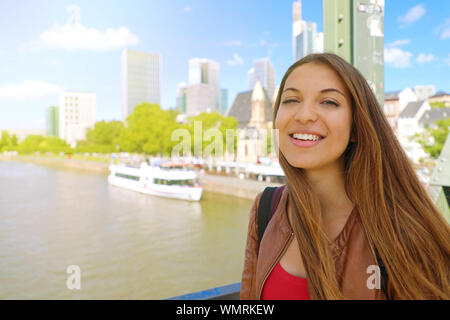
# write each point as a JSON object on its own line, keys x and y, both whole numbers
{"x": 304, "y": 142}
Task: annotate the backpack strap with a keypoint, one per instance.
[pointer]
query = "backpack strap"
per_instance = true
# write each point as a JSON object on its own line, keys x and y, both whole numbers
{"x": 266, "y": 208}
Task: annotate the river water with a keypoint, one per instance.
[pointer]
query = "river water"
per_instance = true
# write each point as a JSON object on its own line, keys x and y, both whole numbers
{"x": 127, "y": 245}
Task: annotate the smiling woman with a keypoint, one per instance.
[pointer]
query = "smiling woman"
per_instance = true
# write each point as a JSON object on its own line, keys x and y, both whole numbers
{"x": 352, "y": 203}
{"x": 314, "y": 92}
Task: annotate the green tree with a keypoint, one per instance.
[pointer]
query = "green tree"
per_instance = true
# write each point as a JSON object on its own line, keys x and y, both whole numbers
{"x": 103, "y": 138}
{"x": 211, "y": 122}
{"x": 53, "y": 144}
{"x": 8, "y": 142}
{"x": 34, "y": 143}
{"x": 30, "y": 144}
{"x": 433, "y": 138}
{"x": 148, "y": 130}
{"x": 105, "y": 133}
{"x": 437, "y": 105}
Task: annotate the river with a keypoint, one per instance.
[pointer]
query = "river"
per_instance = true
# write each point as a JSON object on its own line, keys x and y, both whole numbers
{"x": 127, "y": 245}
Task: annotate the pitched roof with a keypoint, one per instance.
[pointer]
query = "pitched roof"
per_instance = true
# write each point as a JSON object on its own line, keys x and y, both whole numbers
{"x": 411, "y": 109}
{"x": 391, "y": 95}
{"x": 241, "y": 108}
{"x": 433, "y": 115}
{"x": 440, "y": 94}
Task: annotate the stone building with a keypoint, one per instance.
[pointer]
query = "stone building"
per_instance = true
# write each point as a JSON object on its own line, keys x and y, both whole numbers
{"x": 254, "y": 112}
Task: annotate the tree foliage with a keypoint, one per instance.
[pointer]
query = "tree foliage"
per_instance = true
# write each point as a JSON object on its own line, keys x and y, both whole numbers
{"x": 7, "y": 141}
{"x": 210, "y": 122}
{"x": 433, "y": 138}
{"x": 103, "y": 138}
{"x": 38, "y": 143}
{"x": 437, "y": 105}
{"x": 148, "y": 130}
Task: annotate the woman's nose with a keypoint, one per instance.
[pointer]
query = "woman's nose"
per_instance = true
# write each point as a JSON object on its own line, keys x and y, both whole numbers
{"x": 306, "y": 112}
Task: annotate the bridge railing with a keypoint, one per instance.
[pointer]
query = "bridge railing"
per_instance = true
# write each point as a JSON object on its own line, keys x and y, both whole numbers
{"x": 227, "y": 292}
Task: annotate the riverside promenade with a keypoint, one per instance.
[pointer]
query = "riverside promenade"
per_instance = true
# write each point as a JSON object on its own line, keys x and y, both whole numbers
{"x": 217, "y": 183}
{"x": 233, "y": 186}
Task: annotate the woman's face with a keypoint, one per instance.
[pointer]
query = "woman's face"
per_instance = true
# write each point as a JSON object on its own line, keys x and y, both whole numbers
{"x": 314, "y": 118}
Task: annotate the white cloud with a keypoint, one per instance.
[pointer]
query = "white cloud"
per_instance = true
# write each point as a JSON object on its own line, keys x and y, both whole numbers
{"x": 424, "y": 58}
{"x": 397, "y": 43}
{"x": 28, "y": 90}
{"x": 447, "y": 60}
{"x": 397, "y": 58}
{"x": 413, "y": 14}
{"x": 236, "y": 60}
{"x": 78, "y": 37}
{"x": 74, "y": 36}
{"x": 187, "y": 9}
{"x": 444, "y": 30}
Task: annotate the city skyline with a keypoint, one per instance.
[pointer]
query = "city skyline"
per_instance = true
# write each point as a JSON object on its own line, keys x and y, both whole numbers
{"x": 74, "y": 48}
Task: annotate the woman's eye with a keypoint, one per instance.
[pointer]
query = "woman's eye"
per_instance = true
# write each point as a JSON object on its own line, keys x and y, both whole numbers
{"x": 289, "y": 101}
{"x": 331, "y": 102}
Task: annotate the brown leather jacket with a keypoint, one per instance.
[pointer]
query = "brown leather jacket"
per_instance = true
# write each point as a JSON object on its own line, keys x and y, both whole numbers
{"x": 350, "y": 250}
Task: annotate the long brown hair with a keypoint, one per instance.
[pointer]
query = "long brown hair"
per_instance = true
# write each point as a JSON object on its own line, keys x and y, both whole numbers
{"x": 400, "y": 220}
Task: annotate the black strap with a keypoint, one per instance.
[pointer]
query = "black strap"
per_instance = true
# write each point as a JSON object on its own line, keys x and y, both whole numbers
{"x": 265, "y": 211}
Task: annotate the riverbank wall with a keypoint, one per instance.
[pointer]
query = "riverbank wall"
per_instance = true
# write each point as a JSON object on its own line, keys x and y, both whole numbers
{"x": 66, "y": 163}
{"x": 217, "y": 183}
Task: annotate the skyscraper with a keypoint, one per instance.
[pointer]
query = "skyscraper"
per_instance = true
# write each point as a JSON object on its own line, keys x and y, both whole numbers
{"x": 223, "y": 101}
{"x": 52, "y": 121}
{"x": 141, "y": 79}
{"x": 263, "y": 72}
{"x": 305, "y": 38}
{"x": 200, "y": 97}
{"x": 181, "y": 97}
{"x": 76, "y": 114}
{"x": 203, "y": 92}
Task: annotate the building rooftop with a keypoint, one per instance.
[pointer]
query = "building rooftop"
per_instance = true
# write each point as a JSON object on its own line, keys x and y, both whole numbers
{"x": 433, "y": 115}
{"x": 392, "y": 95}
{"x": 241, "y": 108}
{"x": 411, "y": 109}
{"x": 440, "y": 94}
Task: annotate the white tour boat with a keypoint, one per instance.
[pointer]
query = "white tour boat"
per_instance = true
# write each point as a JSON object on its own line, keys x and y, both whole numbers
{"x": 174, "y": 183}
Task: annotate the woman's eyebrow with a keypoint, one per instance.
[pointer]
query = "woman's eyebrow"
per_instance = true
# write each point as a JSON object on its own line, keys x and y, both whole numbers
{"x": 293, "y": 89}
{"x": 332, "y": 89}
{"x": 321, "y": 91}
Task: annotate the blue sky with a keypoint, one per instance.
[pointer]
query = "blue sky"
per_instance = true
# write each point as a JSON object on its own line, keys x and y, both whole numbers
{"x": 41, "y": 54}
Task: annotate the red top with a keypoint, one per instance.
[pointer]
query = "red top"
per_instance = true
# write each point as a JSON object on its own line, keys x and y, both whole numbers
{"x": 281, "y": 285}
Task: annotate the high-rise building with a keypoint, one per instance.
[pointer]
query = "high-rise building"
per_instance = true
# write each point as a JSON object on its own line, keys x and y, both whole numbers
{"x": 52, "y": 121}
{"x": 181, "y": 97}
{"x": 141, "y": 79}
{"x": 203, "y": 79}
{"x": 76, "y": 114}
{"x": 223, "y": 101}
{"x": 200, "y": 97}
{"x": 263, "y": 72}
{"x": 305, "y": 38}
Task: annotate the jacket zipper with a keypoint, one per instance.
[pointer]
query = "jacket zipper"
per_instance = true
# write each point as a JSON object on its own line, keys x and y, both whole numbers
{"x": 275, "y": 262}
